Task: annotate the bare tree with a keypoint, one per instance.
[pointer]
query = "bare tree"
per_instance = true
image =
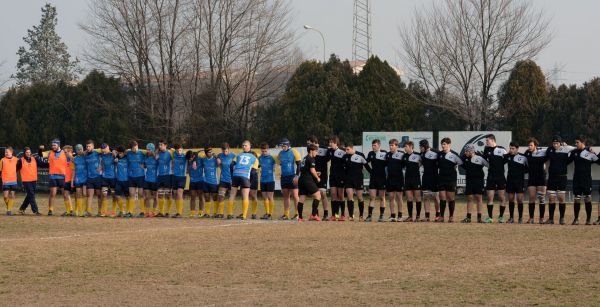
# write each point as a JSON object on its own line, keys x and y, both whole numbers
{"x": 460, "y": 51}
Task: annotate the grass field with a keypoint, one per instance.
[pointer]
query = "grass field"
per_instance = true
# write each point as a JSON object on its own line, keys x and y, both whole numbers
{"x": 157, "y": 262}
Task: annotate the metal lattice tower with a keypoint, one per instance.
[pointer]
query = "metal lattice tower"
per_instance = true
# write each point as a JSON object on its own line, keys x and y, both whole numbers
{"x": 361, "y": 32}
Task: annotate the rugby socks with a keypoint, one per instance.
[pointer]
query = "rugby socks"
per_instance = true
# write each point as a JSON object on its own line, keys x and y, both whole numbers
{"x": 418, "y": 216}
{"x": 511, "y": 209}
{"x": 169, "y": 204}
{"x": 221, "y": 207}
{"x": 342, "y": 207}
{"x": 551, "y": 209}
{"x": 130, "y": 205}
{"x": 478, "y": 217}
{"x": 361, "y": 204}
{"x": 104, "y": 205}
{"x": 206, "y": 208}
{"x": 143, "y": 206}
{"x": 490, "y": 210}
{"x": 179, "y": 206}
{"x": 588, "y": 211}
{"x": 350, "y": 204}
{"x": 409, "y": 206}
{"x": 271, "y": 206}
{"x": 267, "y": 206}
{"x": 576, "y": 209}
{"x": 531, "y": 207}
{"x": 9, "y": 203}
{"x": 315, "y": 207}
{"x": 370, "y": 210}
{"x": 300, "y": 210}
{"x": 78, "y": 206}
{"x": 161, "y": 205}
{"x": 451, "y": 206}
{"x": 254, "y": 206}
{"x": 542, "y": 210}
{"x": 561, "y": 210}
{"x": 381, "y": 212}
{"x": 193, "y": 213}
{"x": 286, "y": 213}
{"x": 520, "y": 210}
{"x": 113, "y": 208}
{"x": 442, "y": 208}
{"x": 230, "y": 207}
{"x": 502, "y": 209}
{"x": 119, "y": 203}
{"x": 245, "y": 205}
{"x": 215, "y": 207}
{"x": 69, "y": 205}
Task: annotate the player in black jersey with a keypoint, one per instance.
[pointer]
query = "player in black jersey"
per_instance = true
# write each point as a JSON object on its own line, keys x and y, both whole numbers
{"x": 308, "y": 184}
{"x": 536, "y": 182}
{"x": 429, "y": 184}
{"x": 473, "y": 165}
{"x": 321, "y": 161}
{"x": 496, "y": 182}
{"x": 583, "y": 158}
{"x": 412, "y": 182}
{"x": 395, "y": 180}
{"x": 558, "y": 160}
{"x": 448, "y": 160}
{"x": 378, "y": 161}
{"x": 354, "y": 162}
{"x": 336, "y": 179}
{"x": 515, "y": 180}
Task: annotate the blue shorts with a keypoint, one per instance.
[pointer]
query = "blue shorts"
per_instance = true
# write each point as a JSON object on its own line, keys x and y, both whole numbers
{"x": 178, "y": 182}
{"x": 225, "y": 185}
{"x": 197, "y": 186}
{"x": 94, "y": 183}
{"x": 56, "y": 183}
{"x": 164, "y": 181}
{"x": 240, "y": 182}
{"x": 253, "y": 180}
{"x": 109, "y": 183}
{"x": 287, "y": 182}
{"x": 136, "y": 182}
{"x": 67, "y": 187}
{"x": 267, "y": 186}
{"x": 9, "y": 187}
{"x": 122, "y": 188}
{"x": 211, "y": 188}
{"x": 151, "y": 186}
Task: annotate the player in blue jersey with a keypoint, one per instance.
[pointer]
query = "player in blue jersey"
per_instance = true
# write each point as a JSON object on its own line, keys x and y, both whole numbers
{"x": 241, "y": 169}
{"x": 122, "y": 182}
{"x": 289, "y": 161}
{"x": 267, "y": 179}
{"x": 225, "y": 158}
{"x": 209, "y": 169}
{"x": 79, "y": 180}
{"x": 165, "y": 174}
{"x": 254, "y": 188}
{"x": 135, "y": 173}
{"x": 179, "y": 178}
{"x": 150, "y": 181}
{"x": 196, "y": 181}
{"x": 94, "y": 176}
{"x": 109, "y": 181}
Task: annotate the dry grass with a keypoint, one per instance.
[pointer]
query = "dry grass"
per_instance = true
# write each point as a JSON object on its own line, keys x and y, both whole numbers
{"x": 92, "y": 261}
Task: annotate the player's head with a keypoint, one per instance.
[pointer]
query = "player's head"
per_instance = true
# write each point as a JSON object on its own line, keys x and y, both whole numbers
{"x": 580, "y": 142}
{"x": 556, "y": 141}
{"x": 162, "y": 145}
{"x": 27, "y": 152}
{"x": 490, "y": 140}
{"x": 264, "y": 148}
{"x": 312, "y": 150}
{"x": 376, "y": 144}
{"x": 312, "y": 140}
{"x": 150, "y": 148}
{"x": 284, "y": 144}
{"x": 208, "y": 151}
{"x": 513, "y": 148}
{"x": 134, "y": 145}
{"x": 190, "y": 155}
{"x": 79, "y": 149}
{"x": 178, "y": 149}
{"x": 68, "y": 150}
{"x": 445, "y": 142}
{"x": 120, "y": 151}
{"x": 349, "y": 148}
{"x": 89, "y": 146}
{"x": 246, "y": 146}
{"x": 469, "y": 150}
{"x": 225, "y": 148}
{"x": 532, "y": 144}
{"x": 423, "y": 145}
{"x": 409, "y": 147}
{"x": 334, "y": 142}
{"x": 105, "y": 148}
{"x": 55, "y": 144}
{"x": 393, "y": 145}
{"x": 8, "y": 152}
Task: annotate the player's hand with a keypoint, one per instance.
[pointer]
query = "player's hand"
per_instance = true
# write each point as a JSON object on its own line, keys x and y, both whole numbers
{"x": 72, "y": 184}
{"x": 319, "y": 174}
{"x": 295, "y": 181}
{"x": 318, "y": 179}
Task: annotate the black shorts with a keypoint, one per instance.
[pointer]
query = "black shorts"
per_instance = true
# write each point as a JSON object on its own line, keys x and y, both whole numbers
{"x": 109, "y": 183}
{"x": 67, "y": 187}
{"x": 240, "y": 182}
{"x": 211, "y": 188}
{"x": 515, "y": 186}
{"x": 582, "y": 188}
{"x": 196, "y": 186}
{"x": 136, "y": 182}
{"x": 11, "y": 187}
{"x": 557, "y": 183}
{"x": 447, "y": 184}
{"x": 354, "y": 182}
{"x": 94, "y": 183}
{"x": 56, "y": 183}
{"x": 122, "y": 188}
{"x": 225, "y": 185}
{"x": 287, "y": 182}
{"x": 178, "y": 182}
{"x": 429, "y": 183}
{"x": 394, "y": 184}
{"x": 336, "y": 181}
{"x": 322, "y": 184}
{"x": 536, "y": 181}
{"x": 377, "y": 183}
{"x": 412, "y": 184}
{"x": 495, "y": 183}
{"x": 267, "y": 186}
{"x": 474, "y": 187}
{"x": 151, "y": 186}
{"x": 79, "y": 185}
{"x": 307, "y": 187}
{"x": 165, "y": 181}
{"x": 253, "y": 181}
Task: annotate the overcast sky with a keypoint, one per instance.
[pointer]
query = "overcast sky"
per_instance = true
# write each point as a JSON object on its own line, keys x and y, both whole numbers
{"x": 574, "y": 51}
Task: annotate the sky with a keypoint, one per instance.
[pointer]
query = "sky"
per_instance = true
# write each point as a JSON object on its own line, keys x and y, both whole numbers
{"x": 573, "y": 56}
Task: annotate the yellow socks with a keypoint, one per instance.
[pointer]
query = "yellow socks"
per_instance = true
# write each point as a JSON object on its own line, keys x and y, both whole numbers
{"x": 245, "y": 204}
{"x": 254, "y": 206}
{"x": 130, "y": 205}
{"x": 221, "y": 207}
{"x": 104, "y": 206}
{"x": 143, "y": 206}
{"x": 78, "y": 206}
{"x": 179, "y": 206}
{"x": 215, "y": 207}
{"x": 169, "y": 204}
{"x": 9, "y": 204}
{"x": 287, "y": 213}
{"x": 266, "y": 204}
{"x": 207, "y": 208}
{"x": 69, "y": 205}
{"x": 230, "y": 207}
{"x": 161, "y": 205}
{"x": 192, "y": 213}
